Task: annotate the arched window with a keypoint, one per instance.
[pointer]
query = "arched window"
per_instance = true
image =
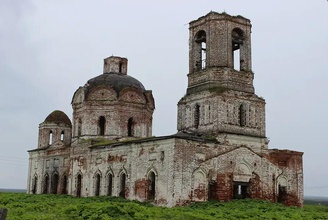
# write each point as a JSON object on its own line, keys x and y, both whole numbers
{"x": 200, "y": 50}
{"x": 242, "y": 115}
{"x": 152, "y": 186}
{"x": 196, "y": 116}
{"x": 122, "y": 185}
{"x": 97, "y": 184}
{"x": 64, "y": 185}
{"x": 109, "y": 184}
{"x": 120, "y": 67}
{"x": 79, "y": 185}
{"x": 102, "y": 125}
{"x": 79, "y": 127}
{"x": 35, "y": 185}
{"x": 50, "y": 138}
{"x": 46, "y": 184}
{"x": 130, "y": 127}
{"x": 55, "y": 180}
{"x": 62, "y": 136}
{"x": 237, "y": 36}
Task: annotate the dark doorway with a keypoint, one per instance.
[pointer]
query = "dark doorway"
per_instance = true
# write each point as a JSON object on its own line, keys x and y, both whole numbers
{"x": 110, "y": 184}
{"x": 64, "y": 185}
{"x": 35, "y": 185}
{"x": 151, "y": 191}
{"x": 122, "y": 185}
{"x": 97, "y": 188}
{"x": 55, "y": 180}
{"x": 282, "y": 194}
{"x": 45, "y": 184}
{"x": 240, "y": 190}
{"x": 79, "y": 185}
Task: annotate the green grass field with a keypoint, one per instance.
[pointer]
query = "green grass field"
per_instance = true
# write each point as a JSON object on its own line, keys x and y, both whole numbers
{"x": 25, "y": 206}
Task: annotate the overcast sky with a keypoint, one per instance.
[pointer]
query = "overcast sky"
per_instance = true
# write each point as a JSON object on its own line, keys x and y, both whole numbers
{"x": 50, "y": 48}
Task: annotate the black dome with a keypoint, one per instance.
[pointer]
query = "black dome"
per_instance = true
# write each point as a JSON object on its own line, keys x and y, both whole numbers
{"x": 115, "y": 80}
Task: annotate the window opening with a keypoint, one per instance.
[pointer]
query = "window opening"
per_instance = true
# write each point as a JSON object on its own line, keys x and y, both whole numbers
{"x": 196, "y": 116}
{"x": 203, "y": 57}
{"x": 79, "y": 127}
{"x": 122, "y": 185}
{"x": 200, "y": 49}
{"x": 110, "y": 184}
{"x": 50, "y": 138}
{"x": 79, "y": 185}
{"x": 152, "y": 182}
{"x": 102, "y": 124}
{"x": 35, "y": 185}
{"x": 240, "y": 190}
{"x": 62, "y": 136}
{"x": 242, "y": 115}
{"x": 55, "y": 183}
{"x": 130, "y": 127}
{"x": 64, "y": 186}
{"x": 120, "y": 67}
{"x": 237, "y": 36}
{"x": 46, "y": 184}
{"x": 236, "y": 59}
{"x": 97, "y": 189}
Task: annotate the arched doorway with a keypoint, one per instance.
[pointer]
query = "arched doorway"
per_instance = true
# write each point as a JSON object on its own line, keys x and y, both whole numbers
{"x": 35, "y": 185}
{"x": 64, "y": 185}
{"x": 55, "y": 180}
{"x": 78, "y": 185}
{"x": 97, "y": 184}
{"x": 109, "y": 184}
{"x": 122, "y": 185}
{"x": 152, "y": 186}
{"x": 45, "y": 184}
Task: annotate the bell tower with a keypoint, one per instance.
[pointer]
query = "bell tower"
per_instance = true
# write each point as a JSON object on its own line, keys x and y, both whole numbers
{"x": 220, "y": 97}
{"x": 220, "y": 43}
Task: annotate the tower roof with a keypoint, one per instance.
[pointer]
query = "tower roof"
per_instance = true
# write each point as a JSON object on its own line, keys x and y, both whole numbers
{"x": 223, "y": 15}
{"x": 58, "y": 117}
{"x": 115, "y": 80}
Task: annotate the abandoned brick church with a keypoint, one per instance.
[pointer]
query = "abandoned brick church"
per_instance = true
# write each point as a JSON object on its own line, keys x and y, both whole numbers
{"x": 220, "y": 151}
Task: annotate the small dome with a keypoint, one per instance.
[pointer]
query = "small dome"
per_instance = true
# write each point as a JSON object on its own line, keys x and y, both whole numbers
{"x": 115, "y": 80}
{"x": 58, "y": 117}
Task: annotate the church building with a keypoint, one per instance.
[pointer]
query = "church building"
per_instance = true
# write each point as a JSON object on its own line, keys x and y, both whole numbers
{"x": 220, "y": 151}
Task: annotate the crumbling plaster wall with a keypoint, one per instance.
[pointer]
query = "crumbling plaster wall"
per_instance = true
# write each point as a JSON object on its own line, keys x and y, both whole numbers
{"x": 47, "y": 162}
{"x": 223, "y": 164}
{"x": 117, "y": 109}
{"x": 220, "y": 112}
{"x": 136, "y": 160}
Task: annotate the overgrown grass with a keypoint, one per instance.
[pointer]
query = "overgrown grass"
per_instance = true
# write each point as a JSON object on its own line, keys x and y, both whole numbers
{"x": 25, "y": 206}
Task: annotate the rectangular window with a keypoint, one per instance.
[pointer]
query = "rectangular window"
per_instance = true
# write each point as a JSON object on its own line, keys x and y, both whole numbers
{"x": 80, "y": 161}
